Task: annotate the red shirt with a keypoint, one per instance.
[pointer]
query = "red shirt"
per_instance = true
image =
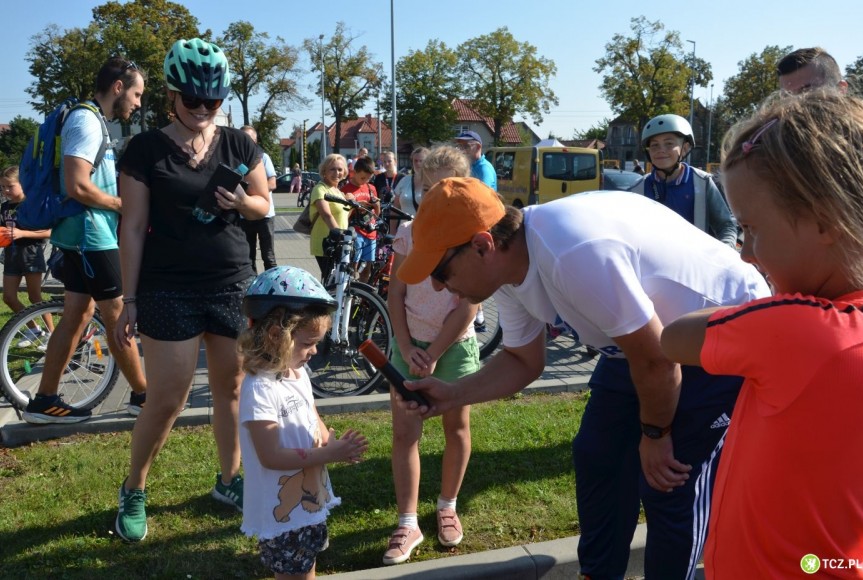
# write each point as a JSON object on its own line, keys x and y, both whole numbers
{"x": 364, "y": 194}
{"x": 790, "y": 480}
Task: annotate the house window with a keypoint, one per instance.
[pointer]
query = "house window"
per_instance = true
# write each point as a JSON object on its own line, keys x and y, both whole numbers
{"x": 629, "y": 136}
{"x": 615, "y": 135}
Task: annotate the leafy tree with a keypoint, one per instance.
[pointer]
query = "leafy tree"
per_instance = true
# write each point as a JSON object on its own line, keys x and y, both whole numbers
{"x": 854, "y": 76}
{"x": 143, "y": 31}
{"x": 598, "y": 131}
{"x": 503, "y": 77}
{"x": 14, "y": 140}
{"x": 649, "y": 73}
{"x": 350, "y": 75}
{"x": 65, "y": 63}
{"x": 426, "y": 83}
{"x": 257, "y": 65}
{"x": 756, "y": 79}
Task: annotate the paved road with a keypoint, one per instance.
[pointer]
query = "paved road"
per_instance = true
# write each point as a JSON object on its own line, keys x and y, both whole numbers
{"x": 568, "y": 365}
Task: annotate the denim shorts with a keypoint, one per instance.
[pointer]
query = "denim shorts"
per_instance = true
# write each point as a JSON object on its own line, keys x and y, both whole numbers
{"x": 181, "y": 314}
{"x": 294, "y": 552}
{"x": 364, "y": 248}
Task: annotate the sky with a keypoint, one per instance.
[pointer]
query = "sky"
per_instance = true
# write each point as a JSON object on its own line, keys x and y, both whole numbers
{"x": 572, "y": 33}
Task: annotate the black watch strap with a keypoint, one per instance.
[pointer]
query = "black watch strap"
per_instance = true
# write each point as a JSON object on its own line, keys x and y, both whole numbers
{"x": 654, "y": 432}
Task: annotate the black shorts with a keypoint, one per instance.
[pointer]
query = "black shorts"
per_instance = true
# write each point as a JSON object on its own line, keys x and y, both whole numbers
{"x": 93, "y": 273}
{"x": 181, "y": 314}
{"x": 22, "y": 260}
{"x": 294, "y": 552}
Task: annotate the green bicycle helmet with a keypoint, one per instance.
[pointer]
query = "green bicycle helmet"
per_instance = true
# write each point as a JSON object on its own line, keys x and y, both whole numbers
{"x": 197, "y": 68}
{"x": 285, "y": 286}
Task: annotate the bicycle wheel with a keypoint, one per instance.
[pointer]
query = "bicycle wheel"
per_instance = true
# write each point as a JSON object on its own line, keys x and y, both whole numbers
{"x": 339, "y": 370}
{"x": 86, "y": 380}
{"x": 488, "y": 336}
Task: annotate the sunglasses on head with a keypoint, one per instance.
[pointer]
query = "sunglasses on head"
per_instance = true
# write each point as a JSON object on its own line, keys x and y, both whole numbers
{"x": 193, "y": 103}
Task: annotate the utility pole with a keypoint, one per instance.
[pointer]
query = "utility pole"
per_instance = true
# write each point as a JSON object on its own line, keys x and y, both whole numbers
{"x": 393, "y": 65}
{"x": 692, "y": 85}
{"x": 709, "y": 123}
{"x": 323, "y": 114}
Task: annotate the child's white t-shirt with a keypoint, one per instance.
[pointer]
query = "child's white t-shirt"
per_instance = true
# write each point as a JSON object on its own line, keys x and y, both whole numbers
{"x": 275, "y": 502}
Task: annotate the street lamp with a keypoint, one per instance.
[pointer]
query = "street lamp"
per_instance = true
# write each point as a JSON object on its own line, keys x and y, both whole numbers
{"x": 709, "y": 123}
{"x": 323, "y": 117}
{"x": 393, "y": 64}
{"x": 692, "y": 84}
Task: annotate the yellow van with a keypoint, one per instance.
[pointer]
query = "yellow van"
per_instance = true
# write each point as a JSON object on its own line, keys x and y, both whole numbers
{"x": 531, "y": 175}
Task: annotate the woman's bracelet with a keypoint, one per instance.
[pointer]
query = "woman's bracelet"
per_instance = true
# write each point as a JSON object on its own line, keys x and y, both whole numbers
{"x": 129, "y": 299}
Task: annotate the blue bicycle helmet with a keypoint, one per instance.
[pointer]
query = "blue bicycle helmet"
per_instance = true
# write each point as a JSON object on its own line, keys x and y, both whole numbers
{"x": 287, "y": 287}
{"x": 197, "y": 68}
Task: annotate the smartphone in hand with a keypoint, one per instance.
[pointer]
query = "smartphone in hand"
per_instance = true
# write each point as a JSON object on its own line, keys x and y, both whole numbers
{"x": 224, "y": 177}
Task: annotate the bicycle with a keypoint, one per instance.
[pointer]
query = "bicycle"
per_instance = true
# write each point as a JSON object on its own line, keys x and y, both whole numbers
{"x": 86, "y": 380}
{"x": 338, "y": 369}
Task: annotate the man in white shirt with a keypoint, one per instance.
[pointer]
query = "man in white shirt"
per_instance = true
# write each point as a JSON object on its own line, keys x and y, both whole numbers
{"x": 614, "y": 268}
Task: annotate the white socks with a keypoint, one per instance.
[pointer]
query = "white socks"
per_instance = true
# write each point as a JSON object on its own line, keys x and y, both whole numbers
{"x": 446, "y": 503}
{"x": 408, "y": 520}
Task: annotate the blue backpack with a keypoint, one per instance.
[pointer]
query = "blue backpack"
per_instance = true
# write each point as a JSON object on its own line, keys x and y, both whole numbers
{"x": 39, "y": 173}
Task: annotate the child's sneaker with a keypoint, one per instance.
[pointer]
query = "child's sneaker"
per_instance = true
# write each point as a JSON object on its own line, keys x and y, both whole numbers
{"x": 136, "y": 403}
{"x": 231, "y": 494}
{"x": 449, "y": 530}
{"x": 131, "y": 522}
{"x": 402, "y": 543}
{"x": 44, "y": 409}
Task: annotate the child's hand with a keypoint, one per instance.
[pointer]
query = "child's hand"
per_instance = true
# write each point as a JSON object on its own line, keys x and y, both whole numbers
{"x": 418, "y": 361}
{"x": 349, "y": 448}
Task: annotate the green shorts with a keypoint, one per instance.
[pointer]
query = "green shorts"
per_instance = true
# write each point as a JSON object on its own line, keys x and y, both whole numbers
{"x": 460, "y": 359}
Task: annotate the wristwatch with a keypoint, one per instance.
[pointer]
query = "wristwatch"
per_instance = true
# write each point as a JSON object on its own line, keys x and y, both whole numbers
{"x": 654, "y": 432}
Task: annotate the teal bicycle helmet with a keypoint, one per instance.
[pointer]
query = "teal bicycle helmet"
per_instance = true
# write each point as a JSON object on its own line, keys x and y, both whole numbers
{"x": 287, "y": 287}
{"x": 197, "y": 68}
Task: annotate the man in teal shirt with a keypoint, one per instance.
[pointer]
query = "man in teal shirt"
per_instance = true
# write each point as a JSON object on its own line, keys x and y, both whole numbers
{"x": 91, "y": 270}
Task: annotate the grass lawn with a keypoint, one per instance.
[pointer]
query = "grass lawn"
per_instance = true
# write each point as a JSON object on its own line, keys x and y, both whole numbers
{"x": 60, "y": 498}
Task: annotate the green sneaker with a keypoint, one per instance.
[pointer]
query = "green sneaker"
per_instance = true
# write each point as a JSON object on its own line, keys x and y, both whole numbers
{"x": 230, "y": 494}
{"x": 131, "y": 523}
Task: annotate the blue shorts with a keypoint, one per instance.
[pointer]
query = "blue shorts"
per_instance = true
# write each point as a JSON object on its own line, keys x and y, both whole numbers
{"x": 364, "y": 249}
{"x": 294, "y": 552}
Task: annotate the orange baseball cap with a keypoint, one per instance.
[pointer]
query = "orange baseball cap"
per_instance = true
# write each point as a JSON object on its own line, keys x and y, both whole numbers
{"x": 451, "y": 213}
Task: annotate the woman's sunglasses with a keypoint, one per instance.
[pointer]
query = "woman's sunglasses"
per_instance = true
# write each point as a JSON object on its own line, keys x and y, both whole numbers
{"x": 193, "y": 103}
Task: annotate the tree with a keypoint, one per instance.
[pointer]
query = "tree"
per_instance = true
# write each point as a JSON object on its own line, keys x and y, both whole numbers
{"x": 350, "y": 75}
{"x": 503, "y": 77}
{"x": 756, "y": 80}
{"x": 649, "y": 73}
{"x": 143, "y": 31}
{"x": 65, "y": 63}
{"x": 427, "y": 83}
{"x": 257, "y": 65}
{"x": 598, "y": 131}
{"x": 14, "y": 140}
{"x": 854, "y": 76}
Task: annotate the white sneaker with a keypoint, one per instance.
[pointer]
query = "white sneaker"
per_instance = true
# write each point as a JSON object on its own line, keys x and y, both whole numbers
{"x": 30, "y": 336}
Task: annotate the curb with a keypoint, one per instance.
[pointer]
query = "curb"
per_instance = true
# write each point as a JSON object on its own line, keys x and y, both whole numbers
{"x": 552, "y": 560}
{"x": 15, "y": 433}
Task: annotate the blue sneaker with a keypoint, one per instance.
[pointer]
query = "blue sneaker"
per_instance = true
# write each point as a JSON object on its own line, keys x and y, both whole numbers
{"x": 44, "y": 409}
